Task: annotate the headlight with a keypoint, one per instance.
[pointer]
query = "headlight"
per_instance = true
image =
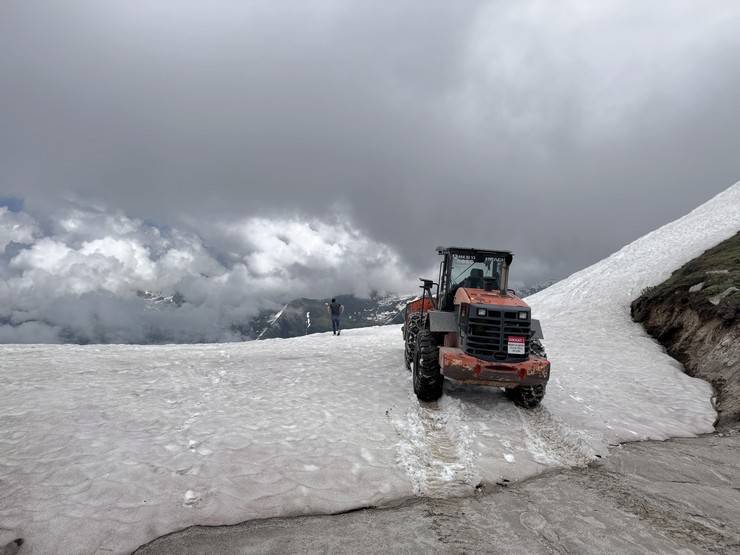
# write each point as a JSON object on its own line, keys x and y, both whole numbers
{"x": 523, "y": 315}
{"x": 482, "y": 312}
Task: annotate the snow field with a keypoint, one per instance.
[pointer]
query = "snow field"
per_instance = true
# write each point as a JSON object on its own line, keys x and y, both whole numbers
{"x": 107, "y": 447}
{"x": 611, "y": 377}
{"x": 103, "y": 448}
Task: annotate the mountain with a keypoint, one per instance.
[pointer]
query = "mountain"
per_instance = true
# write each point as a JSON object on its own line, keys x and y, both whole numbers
{"x": 306, "y": 316}
{"x": 154, "y": 299}
{"x": 298, "y": 317}
{"x": 527, "y": 290}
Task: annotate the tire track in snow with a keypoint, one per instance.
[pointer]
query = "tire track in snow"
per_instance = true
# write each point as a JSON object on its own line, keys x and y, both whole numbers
{"x": 435, "y": 449}
{"x": 552, "y": 442}
{"x": 437, "y": 440}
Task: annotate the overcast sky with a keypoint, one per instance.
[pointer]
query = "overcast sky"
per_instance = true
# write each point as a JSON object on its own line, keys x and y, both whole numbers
{"x": 344, "y": 140}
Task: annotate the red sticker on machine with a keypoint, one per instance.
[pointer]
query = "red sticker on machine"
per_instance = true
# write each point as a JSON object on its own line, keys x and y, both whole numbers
{"x": 516, "y": 345}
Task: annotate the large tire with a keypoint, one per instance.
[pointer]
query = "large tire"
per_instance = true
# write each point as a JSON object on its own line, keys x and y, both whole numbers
{"x": 410, "y": 332}
{"x": 526, "y": 396}
{"x": 428, "y": 379}
{"x": 529, "y": 396}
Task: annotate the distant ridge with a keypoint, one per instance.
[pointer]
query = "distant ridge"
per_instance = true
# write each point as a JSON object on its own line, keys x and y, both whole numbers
{"x": 292, "y": 320}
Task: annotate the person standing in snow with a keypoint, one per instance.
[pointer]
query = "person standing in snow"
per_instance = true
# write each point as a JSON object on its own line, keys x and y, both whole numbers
{"x": 335, "y": 311}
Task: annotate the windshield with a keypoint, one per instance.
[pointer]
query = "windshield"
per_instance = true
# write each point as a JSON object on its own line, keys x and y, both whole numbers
{"x": 470, "y": 270}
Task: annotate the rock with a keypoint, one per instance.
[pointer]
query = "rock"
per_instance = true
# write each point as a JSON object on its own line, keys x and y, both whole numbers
{"x": 696, "y": 288}
{"x": 718, "y": 298}
{"x": 12, "y": 548}
{"x": 727, "y": 312}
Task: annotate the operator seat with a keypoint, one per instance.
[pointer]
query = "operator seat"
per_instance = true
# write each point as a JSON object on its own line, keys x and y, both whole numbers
{"x": 475, "y": 279}
{"x": 491, "y": 283}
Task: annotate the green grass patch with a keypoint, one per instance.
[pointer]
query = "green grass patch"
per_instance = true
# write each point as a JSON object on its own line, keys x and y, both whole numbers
{"x": 718, "y": 269}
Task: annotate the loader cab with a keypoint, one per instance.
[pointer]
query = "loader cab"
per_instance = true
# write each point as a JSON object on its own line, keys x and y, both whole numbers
{"x": 471, "y": 268}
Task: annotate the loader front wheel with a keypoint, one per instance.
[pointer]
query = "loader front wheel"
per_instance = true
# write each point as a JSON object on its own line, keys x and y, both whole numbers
{"x": 526, "y": 396}
{"x": 428, "y": 379}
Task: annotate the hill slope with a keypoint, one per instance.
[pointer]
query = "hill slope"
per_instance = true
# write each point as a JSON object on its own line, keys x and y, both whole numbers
{"x": 695, "y": 314}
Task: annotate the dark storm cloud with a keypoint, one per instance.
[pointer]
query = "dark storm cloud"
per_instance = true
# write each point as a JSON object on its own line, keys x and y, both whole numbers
{"x": 559, "y": 130}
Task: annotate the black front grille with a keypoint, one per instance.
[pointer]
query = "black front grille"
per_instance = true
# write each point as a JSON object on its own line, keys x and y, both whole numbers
{"x": 486, "y": 336}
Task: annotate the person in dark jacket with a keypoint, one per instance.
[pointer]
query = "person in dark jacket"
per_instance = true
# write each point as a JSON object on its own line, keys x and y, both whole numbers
{"x": 335, "y": 311}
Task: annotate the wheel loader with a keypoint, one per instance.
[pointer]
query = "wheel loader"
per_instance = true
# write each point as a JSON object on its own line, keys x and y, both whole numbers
{"x": 474, "y": 329}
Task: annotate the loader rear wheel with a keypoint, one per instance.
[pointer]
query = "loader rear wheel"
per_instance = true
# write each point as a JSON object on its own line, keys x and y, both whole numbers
{"x": 428, "y": 379}
{"x": 410, "y": 333}
{"x": 526, "y": 396}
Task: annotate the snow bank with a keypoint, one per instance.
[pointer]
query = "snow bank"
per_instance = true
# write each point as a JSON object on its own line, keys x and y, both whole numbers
{"x": 610, "y": 376}
{"x": 103, "y": 448}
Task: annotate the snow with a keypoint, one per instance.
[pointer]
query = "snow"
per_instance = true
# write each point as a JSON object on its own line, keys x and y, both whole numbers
{"x": 103, "y": 448}
{"x": 272, "y": 321}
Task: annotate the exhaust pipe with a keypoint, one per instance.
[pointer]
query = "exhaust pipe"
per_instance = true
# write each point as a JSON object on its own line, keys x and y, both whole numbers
{"x": 505, "y": 275}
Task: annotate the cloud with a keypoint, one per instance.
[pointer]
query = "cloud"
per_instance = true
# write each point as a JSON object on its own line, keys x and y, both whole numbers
{"x": 16, "y": 228}
{"x": 84, "y": 280}
{"x": 560, "y": 131}
{"x": 284, "y": 250}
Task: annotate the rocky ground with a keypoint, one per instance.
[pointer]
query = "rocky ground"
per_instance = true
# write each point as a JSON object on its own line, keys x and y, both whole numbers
{"x": 681, "y": 495}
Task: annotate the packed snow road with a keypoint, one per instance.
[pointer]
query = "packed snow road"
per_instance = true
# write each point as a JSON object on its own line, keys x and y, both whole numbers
{"x": 103, "y": 448}
{"x": 107, "y": 447}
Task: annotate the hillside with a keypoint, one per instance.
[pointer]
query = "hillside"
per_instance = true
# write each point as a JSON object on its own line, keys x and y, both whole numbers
{"x": 695, "y": 314}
